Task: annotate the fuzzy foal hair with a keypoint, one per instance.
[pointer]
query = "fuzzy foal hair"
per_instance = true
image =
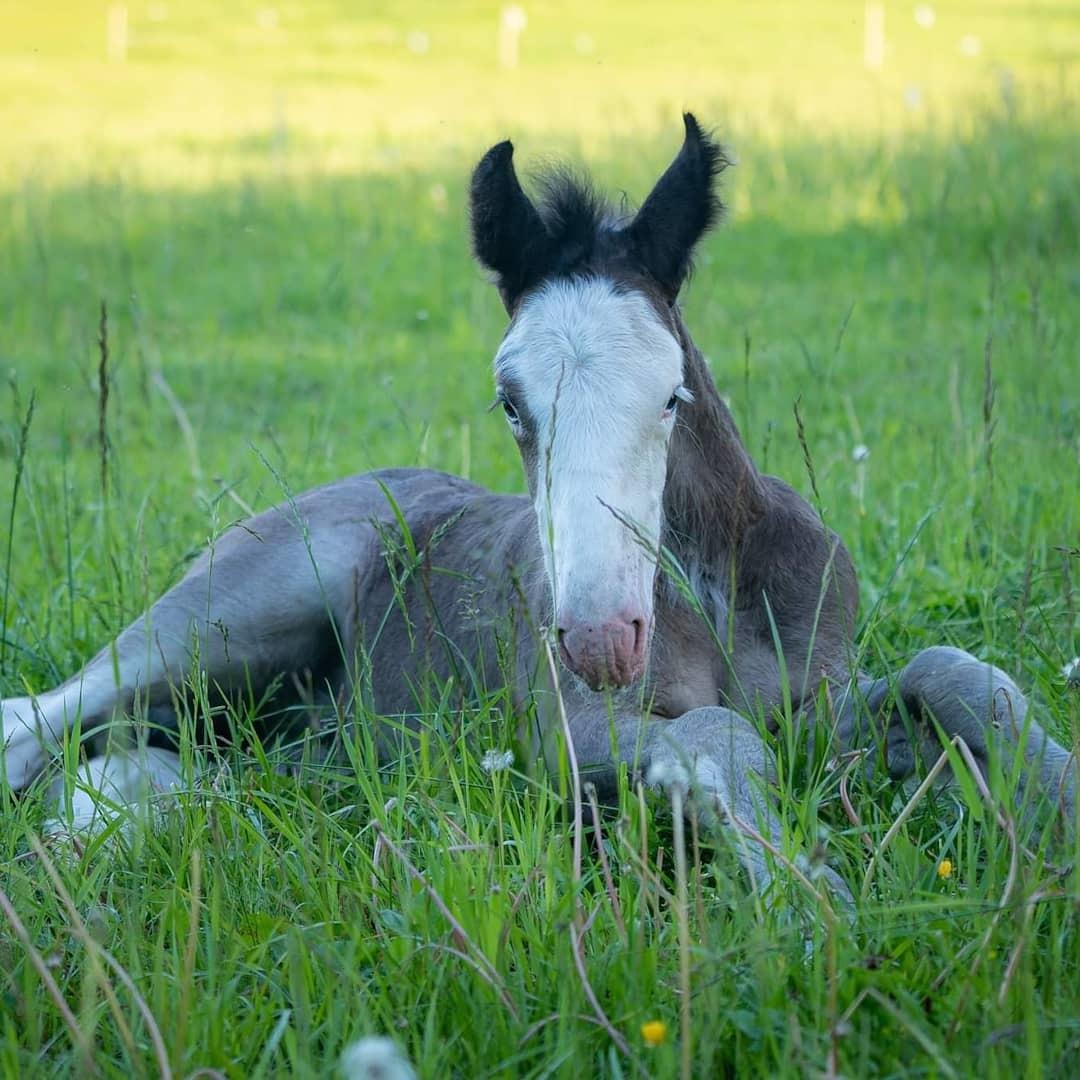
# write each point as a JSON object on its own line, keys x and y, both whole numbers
{"x": 573, "y": 230}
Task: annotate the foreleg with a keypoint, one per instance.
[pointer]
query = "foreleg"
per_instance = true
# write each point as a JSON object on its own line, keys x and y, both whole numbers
{"x": 946, "y": 692}
{"x": 714, "y": 756}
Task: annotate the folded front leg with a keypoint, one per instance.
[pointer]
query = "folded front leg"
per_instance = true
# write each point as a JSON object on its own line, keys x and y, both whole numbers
{"x": 718, "y": 757}
{"x": 980, "y": 703}
{"x": 947, "y": 692}
{"x": 714, "y": 756}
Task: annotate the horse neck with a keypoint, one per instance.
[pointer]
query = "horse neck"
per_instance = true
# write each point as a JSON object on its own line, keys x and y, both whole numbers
{"x": 713, "y": 491}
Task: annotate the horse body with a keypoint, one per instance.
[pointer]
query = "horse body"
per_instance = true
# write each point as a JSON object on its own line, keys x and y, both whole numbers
{"x": 681, "y": 590}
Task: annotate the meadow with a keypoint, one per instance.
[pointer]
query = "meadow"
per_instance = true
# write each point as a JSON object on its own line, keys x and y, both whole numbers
{"x": 268, "y": 204}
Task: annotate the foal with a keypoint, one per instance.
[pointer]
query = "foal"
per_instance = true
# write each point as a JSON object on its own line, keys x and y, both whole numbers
{"x": 379, "y": 586}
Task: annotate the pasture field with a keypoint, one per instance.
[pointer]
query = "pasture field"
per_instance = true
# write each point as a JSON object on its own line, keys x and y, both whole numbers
{"x": 270, "y": 203}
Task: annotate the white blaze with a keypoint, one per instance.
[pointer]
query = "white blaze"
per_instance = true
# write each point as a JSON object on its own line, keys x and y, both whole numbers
{"x": 594, "y": 368}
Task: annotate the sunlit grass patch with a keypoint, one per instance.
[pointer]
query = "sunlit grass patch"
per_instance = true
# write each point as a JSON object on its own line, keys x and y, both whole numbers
{"x": 291, "y": 298}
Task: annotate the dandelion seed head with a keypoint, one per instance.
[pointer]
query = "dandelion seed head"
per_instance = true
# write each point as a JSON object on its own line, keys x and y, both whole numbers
{"x": 1071, "y": 672}
{"x": 495, "y": 761}
{"x": 859, "y": 453}
{"x": 667, "y": 773}
{"x": 375, "y": 1058}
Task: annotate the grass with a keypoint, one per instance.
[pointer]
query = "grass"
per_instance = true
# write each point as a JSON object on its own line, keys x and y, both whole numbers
{"x": 278, "y": 234}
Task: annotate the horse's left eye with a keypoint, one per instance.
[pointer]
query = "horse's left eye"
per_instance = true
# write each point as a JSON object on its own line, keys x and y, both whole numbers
{"x": 672, "y": 404}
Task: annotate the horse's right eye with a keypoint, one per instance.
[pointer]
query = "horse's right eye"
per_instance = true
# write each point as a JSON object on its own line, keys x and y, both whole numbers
{"x": 511, "y": 412}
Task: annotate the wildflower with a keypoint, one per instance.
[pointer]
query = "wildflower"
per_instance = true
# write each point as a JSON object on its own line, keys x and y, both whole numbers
{"x": 1071, "y": 672}
{"x": 375, "y": 1058}
{"x": 654, "y": 1032}
{"x": 944, "y": 869}
{"x": 497, "y": 760}
{"x": 859, "y": 453}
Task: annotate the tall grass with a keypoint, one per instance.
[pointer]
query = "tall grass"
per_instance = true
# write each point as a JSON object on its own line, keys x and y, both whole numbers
{"x": 282, "y": 313}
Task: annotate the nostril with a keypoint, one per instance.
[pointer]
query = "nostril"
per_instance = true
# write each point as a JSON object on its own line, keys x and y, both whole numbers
{"x": 639, "y": 636}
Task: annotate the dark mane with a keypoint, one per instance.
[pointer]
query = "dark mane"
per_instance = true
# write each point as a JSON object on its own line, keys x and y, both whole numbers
{"x": 567, "y": 197}
{"x": 579, "y": 220}
{"x": 572, "y": 229}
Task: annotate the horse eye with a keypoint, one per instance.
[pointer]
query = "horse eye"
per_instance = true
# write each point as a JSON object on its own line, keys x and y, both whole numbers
{"x": 672, "y": 404}
{"x": 511, "y": 412}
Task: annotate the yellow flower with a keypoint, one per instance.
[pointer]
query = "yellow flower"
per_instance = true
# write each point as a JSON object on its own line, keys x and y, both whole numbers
{"x": 944, "y": 869}
{"x": 654, "y": 1032}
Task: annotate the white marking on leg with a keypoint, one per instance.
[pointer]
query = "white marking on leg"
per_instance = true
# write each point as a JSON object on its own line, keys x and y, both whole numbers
{"x": 126, "y": 782}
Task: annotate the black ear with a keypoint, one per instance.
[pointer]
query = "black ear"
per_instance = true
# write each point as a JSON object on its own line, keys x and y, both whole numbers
{"x": 680, "y": 210}
{"x": 508, "y": 235}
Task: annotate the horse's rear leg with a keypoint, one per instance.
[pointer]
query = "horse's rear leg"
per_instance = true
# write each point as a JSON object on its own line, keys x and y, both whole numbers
{"x": 253, "y": 610}
{"x": 148, "y": 658}
{"x": 131, "y": 779}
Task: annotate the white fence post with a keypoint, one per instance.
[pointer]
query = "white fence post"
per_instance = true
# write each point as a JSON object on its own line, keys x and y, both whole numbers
{"x": 116, "y": 33}
{"x": 512, "y": 21}
{"x": 874, "y": 40}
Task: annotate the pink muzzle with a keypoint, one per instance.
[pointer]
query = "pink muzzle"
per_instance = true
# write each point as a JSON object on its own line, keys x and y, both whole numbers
{"x": 608, "y": 654}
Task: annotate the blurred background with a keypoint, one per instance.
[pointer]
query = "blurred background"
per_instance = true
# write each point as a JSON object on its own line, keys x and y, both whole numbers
{"x": 190, "y": 92}
{"x": 269, "y": 198}
{"x": 234, "y": 263}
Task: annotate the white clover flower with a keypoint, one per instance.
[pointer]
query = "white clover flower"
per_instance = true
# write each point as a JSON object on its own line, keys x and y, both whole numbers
{"x": 495, "y": 761}
{"x": 1071, "y": 672}
{"x": 375, "y": 1058}
{"x": 859, "y": 453}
